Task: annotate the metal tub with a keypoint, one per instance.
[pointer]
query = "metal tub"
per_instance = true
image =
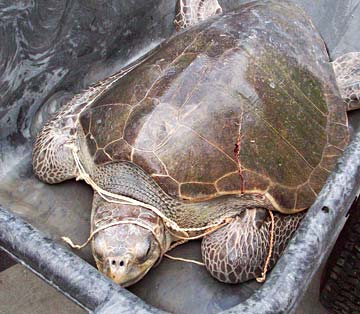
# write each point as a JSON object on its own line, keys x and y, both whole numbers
{"x": 50, "y": 50}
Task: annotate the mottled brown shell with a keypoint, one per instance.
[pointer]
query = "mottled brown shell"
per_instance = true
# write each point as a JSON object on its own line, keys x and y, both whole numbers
{"x": 246, "y": 102}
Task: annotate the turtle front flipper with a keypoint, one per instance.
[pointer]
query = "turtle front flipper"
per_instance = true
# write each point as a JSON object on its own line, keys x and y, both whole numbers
{"x": 53, "y": 161}
{"x": 347, "y": 72}
{"x": 191, "y": 12}
{"x": 238, "y": 251}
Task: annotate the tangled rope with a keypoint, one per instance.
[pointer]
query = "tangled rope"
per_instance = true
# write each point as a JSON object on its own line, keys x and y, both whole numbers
{"x": 121, "y": 199}
{"x": 169, "y": 224}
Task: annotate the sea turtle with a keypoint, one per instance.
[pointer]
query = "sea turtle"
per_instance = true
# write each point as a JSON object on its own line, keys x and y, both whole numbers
{"x": 228, "y": 130}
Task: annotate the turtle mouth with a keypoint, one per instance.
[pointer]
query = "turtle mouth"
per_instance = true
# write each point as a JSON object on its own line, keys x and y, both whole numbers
{"x": 135, "y": 279}
{"x": 128, "y": 278}
{"x": 131, "y": 274}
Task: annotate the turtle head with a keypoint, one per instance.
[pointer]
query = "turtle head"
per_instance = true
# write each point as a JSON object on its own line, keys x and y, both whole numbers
{"x": 125, "y": 252}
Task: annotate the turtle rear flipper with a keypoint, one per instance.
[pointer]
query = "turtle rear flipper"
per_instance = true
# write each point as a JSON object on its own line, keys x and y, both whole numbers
{"x": 347, "y": 72}
{"x": 240, "y": 251}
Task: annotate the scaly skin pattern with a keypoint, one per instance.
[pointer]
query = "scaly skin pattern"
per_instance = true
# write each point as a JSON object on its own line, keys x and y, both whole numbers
{"x": 233, "y": 257}
{"x": 52, "y": 159}
{"x": 347, "y": 72}
{"x": 236, "y": 116}
{"x": 127, "y": 179}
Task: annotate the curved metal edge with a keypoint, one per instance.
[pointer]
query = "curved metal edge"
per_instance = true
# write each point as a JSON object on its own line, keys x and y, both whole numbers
{"x": 65, "y": 271}
{"x": 312, "y": 242}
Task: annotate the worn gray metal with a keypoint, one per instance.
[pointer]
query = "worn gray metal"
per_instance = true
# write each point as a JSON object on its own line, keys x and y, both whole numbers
{"x": 52, "y": 49}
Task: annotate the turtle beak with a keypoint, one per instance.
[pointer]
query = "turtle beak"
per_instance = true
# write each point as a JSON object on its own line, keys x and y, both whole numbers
{"x": 116, "y": 268}
{"x": 123, "y": 271}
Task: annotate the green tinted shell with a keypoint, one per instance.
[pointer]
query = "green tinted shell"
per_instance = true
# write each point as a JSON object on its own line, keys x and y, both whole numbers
{"x": 245, "y": 102}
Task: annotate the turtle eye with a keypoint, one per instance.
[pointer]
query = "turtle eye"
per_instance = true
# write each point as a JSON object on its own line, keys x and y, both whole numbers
{"x": 144, "y": 256}
{"x": 148, "y": 250}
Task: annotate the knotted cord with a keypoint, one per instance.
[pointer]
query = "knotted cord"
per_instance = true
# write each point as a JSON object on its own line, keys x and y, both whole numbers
{"x": 271, "y": 246}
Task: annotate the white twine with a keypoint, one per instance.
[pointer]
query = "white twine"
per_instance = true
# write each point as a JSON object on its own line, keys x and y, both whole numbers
{"x": 169, "y": 223}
